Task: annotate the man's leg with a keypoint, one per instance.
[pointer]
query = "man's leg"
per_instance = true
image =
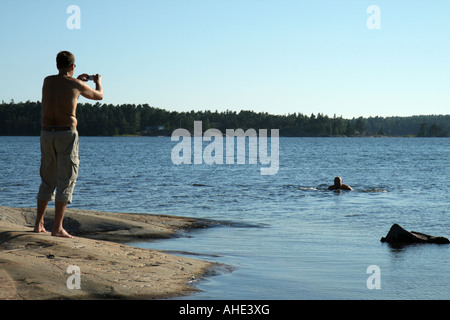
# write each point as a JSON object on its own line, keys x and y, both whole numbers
{"x": 41, "y": 207}
{"x": 47, "y": 172}
{"x": 58, "y": 230}
{"x": 67, "y": 159}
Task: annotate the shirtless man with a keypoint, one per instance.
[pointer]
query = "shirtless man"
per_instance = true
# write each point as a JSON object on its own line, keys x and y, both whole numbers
{"x": 338, "y": 185}
{"x": 59, "y": 139}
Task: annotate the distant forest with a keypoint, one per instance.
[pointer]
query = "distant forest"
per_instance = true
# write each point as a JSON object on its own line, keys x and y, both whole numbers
{"x": 128, "y": 119}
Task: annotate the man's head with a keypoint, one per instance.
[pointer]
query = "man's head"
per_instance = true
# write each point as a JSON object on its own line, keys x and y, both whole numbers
{"x": 338, "y": 181}
{"x": 65, "y": 61}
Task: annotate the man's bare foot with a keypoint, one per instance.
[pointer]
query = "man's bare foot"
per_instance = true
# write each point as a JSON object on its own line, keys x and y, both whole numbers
{"x": 61, "y": 233}
{"x": 39, "y": 228}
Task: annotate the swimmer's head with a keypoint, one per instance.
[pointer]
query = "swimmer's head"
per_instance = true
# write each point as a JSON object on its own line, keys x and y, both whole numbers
{"x": 337, "y": 181}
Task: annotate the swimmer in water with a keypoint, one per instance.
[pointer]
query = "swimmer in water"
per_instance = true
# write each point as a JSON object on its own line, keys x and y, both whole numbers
{"x": 338, "y": 185}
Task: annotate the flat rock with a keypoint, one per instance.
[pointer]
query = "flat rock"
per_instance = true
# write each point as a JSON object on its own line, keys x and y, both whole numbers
{"x": 34, "y": 266}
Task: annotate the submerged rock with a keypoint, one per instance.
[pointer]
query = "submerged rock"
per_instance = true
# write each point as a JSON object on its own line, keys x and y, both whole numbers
{"x": 399, "y": 235}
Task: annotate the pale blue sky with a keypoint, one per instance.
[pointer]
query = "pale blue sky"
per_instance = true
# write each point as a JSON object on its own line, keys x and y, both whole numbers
{"x": 262, "y": 55}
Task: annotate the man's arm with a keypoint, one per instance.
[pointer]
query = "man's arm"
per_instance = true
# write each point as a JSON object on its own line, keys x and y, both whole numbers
{"x": 89, "y": 93}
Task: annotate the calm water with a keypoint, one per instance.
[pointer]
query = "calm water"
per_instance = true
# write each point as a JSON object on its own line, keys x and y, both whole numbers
{"x": 291, "y": 237}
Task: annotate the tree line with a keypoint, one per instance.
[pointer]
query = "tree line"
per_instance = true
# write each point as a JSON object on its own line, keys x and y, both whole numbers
{"x": 129, "y": 119}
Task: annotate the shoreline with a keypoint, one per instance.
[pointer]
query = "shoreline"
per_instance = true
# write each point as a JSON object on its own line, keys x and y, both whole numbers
{"x": 34, "y": 266}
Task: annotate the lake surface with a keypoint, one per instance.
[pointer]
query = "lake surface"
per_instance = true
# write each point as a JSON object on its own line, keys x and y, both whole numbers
{"x": 288, "y": 237}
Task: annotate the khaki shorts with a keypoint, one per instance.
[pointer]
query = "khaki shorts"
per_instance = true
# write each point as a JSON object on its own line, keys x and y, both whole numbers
{"x": 59, "y": 165}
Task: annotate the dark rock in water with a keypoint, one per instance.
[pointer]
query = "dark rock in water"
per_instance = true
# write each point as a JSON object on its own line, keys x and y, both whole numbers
{"x": 399, "y": 235}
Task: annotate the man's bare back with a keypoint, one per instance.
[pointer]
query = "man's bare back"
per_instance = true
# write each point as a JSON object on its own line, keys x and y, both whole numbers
{"x": 60, "y": 98}
{"x": 59, "y": 101}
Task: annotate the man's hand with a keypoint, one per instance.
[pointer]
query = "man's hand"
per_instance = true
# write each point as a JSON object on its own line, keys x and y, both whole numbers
{"x": 98, "y": 79}
{"x": 83, "y": 77}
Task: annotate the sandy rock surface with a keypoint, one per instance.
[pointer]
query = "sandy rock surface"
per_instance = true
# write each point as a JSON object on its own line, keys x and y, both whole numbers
{"x": 35, "y": 266}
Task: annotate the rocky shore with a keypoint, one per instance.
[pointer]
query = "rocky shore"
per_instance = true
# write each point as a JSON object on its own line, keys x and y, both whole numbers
{"x": 35, "y": 266}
